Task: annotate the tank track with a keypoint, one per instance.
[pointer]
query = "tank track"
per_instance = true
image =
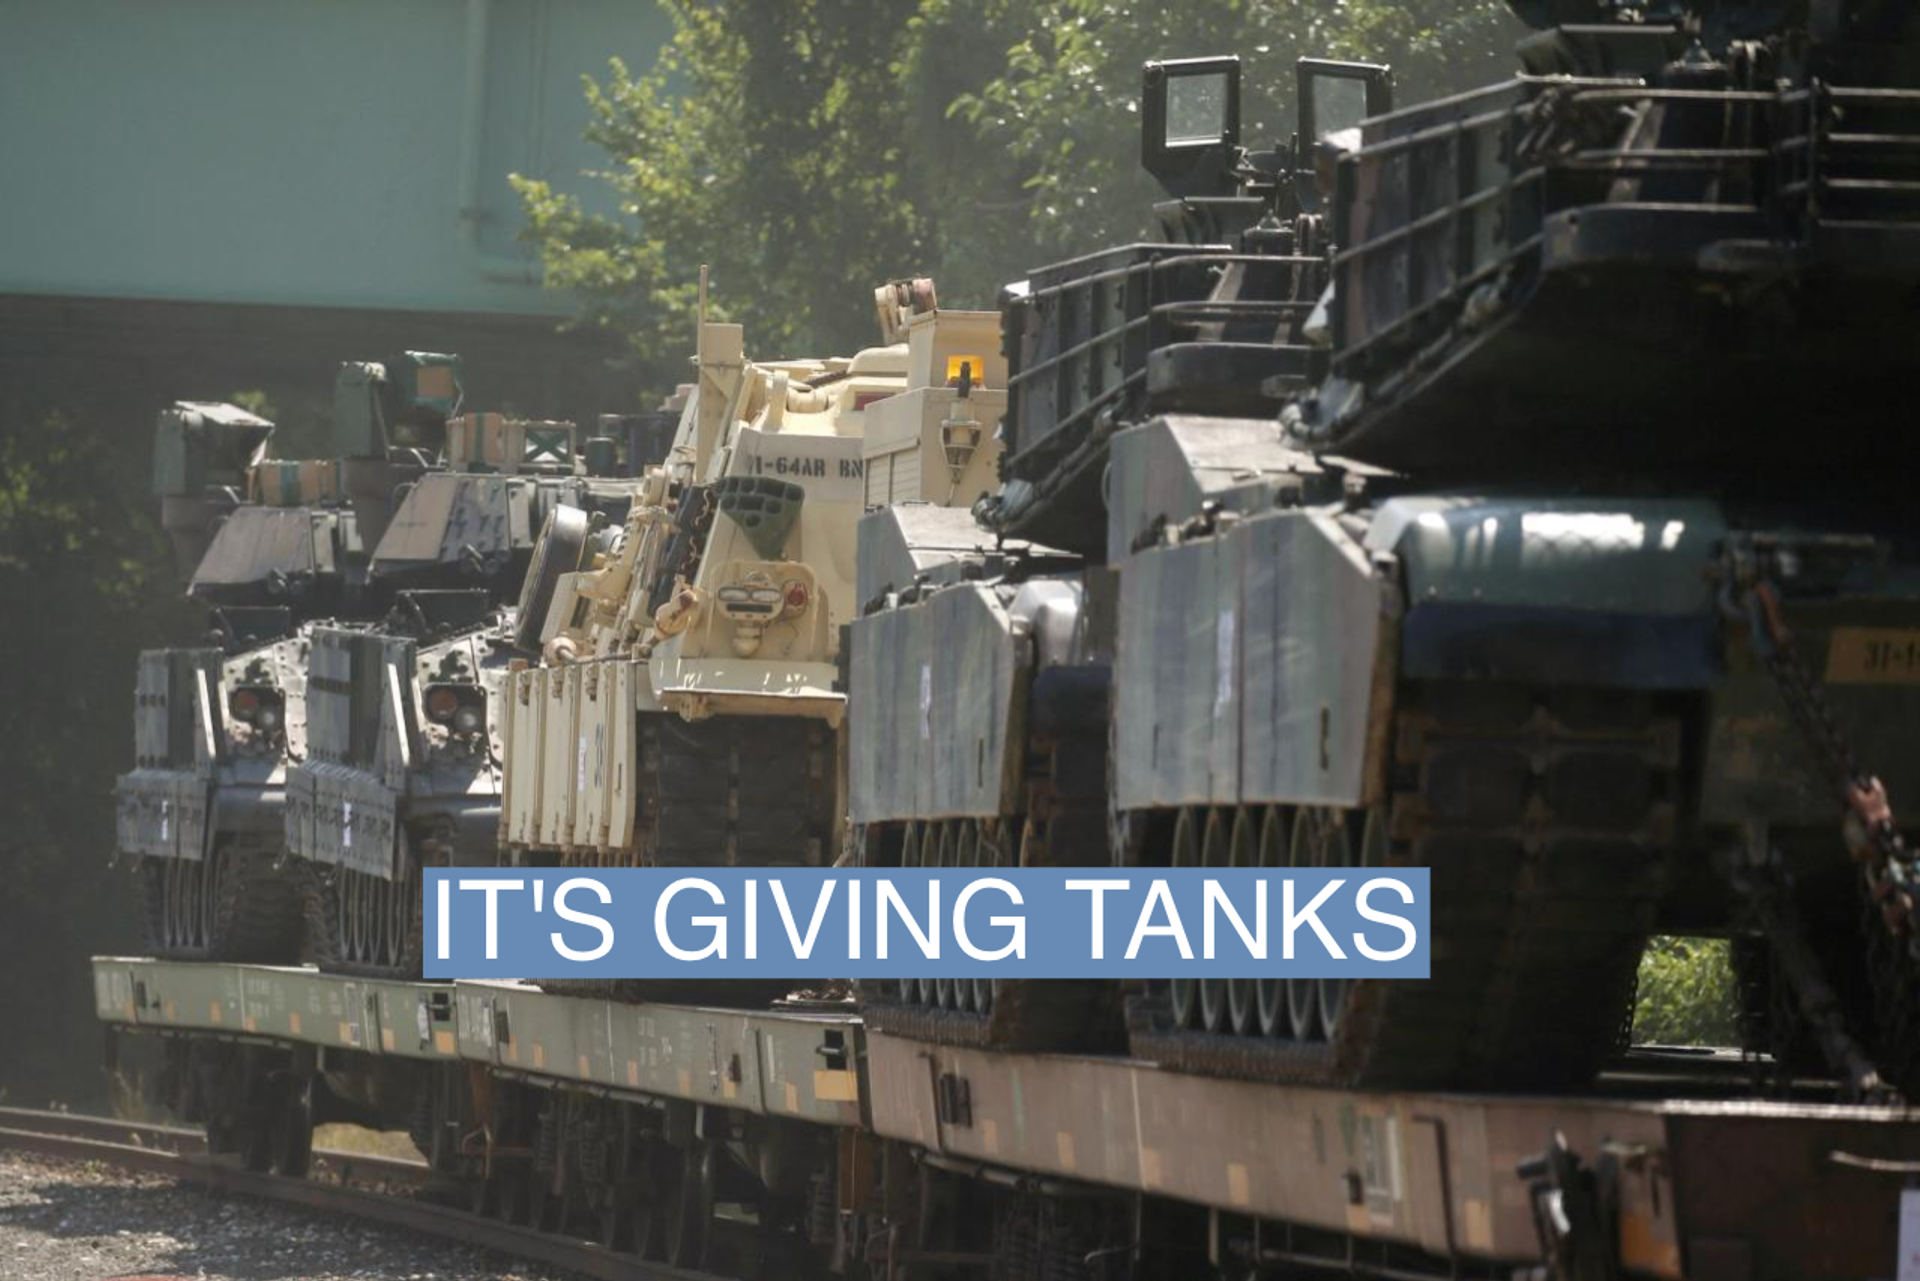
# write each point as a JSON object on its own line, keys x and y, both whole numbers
{"x": 736, "y": 791}
{"x": 251, "y": 913}
{"x": 1031, "y": 1014}
{"x": 1546, "y": 818}
{"x": 728, "y": 791}
{"x": 1066, "y": 826}
{"x": 338, "y": 949}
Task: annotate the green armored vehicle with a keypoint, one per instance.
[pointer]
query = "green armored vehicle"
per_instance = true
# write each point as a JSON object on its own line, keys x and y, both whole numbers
{"x": 268, "y": 546}
{"x": 404, "y": 750}
{"x": 1390, "y": 559}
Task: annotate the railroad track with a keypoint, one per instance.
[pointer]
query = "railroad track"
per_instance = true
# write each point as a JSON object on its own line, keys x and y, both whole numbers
{"x": 181, "y": 1154}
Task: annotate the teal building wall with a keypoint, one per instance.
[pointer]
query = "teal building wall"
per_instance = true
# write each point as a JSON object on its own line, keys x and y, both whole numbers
{"x": 307, "y": 153}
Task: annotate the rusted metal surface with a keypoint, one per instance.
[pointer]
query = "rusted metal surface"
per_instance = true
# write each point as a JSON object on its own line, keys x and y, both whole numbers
{"x": 1437, "y": 1172}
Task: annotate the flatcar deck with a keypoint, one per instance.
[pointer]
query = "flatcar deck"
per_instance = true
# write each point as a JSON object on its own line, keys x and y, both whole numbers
{"x": 1435, "y": 1176}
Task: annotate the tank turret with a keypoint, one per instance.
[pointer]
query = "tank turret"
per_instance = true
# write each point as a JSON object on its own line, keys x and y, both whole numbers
{"x": 1676, "y": 214}
{"x": 202, "y": 454}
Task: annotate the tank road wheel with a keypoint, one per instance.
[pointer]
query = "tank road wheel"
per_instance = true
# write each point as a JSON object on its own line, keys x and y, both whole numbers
{"x": 1319, "y": 840}
{"x": 1243, "y": 850}
{"x": 358, "y": 923}
{"x": 912, "y": 854}
{"x": 949, "y": 841}
{"x": 1186, "y": 853}
{"x": 231, "y": 905}
{"x": 1214, "y": 852}
{"x": 403, "y": 919}
{"x": 990, "y": 850}
{"x": 1376, "y": 839}
{"x": 966, "y": 853}
{"x": 1270, "y": 995}
{"x": 173, "y": 895}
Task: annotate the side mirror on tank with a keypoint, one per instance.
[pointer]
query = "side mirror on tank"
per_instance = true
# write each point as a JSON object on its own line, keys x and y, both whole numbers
{"x": 1190, "y": 124}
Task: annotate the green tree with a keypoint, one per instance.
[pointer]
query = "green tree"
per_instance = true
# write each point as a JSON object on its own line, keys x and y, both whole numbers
{"x": 810, "y": 150}
{"x": 765, "y": 142}
{"x": 1686, "y": 994}
{"x": 1066, "y": 105}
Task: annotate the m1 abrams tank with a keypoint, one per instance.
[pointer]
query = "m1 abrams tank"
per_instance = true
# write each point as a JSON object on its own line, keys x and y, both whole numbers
{"x": 403, "y": 736}
{"x": 717, "y": 610}
{"x": 983, "y": 668}
{"x": 267, "y": 546}
{"x": 1361, "y": 618}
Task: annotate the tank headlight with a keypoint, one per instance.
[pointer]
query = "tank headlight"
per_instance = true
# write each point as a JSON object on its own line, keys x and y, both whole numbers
{"x": 755, "y": 600}
{"x": 257, "y": 705}
{"x": 461, "y": 707}
{"x": 797, "y": 597}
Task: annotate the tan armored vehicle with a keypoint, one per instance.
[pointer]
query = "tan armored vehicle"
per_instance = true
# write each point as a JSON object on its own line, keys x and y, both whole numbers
{"x": 688, "y": 703}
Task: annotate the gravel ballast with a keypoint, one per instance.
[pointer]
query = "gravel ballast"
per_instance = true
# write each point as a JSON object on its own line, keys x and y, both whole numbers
{"x": 80, "y": 1221}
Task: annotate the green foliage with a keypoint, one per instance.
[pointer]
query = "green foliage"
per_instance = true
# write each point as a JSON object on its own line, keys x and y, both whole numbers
{"x": 256, "y": 402}
{"x": 1066, "y": 105}
{"x": 1687, "y": 994}
{"x": 766, "y": 143}
{"x": 809, "y": 150}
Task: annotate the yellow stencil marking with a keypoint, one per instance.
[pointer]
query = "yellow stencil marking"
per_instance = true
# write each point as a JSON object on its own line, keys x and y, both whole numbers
{"x": 990, "y": 1135}
{"x": 792, "y": 1092}
{"x": 250, "y": 1023}
{"x": 1644, "y": 1248}
{"x": 585, "y": 1075}
{"x": 1063, "y": 1145}
{"x": 1873, "y": 656}
{"x": 1479, "y": 1223}
{"x": 386, "y": 1039}
{"x": 293, "y": 1022}
{"x": 346, "y": 1034}
{"x": 1239, "y": 1186}
{"x": 835, "y": 1086}
{"x": 169, "y": 1008}
{"x": 214, "y": 1013}
{"x": 633, "y": 1072}
{"x": 1151, "y": 1172}
{"x": 686, "y": 1083}
{"x": 442, "y": 1041}
{"x": 539, "y": 1055}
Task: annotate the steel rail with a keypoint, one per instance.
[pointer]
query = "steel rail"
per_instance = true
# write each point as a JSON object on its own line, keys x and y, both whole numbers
{"x": 70, "y": 1136}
